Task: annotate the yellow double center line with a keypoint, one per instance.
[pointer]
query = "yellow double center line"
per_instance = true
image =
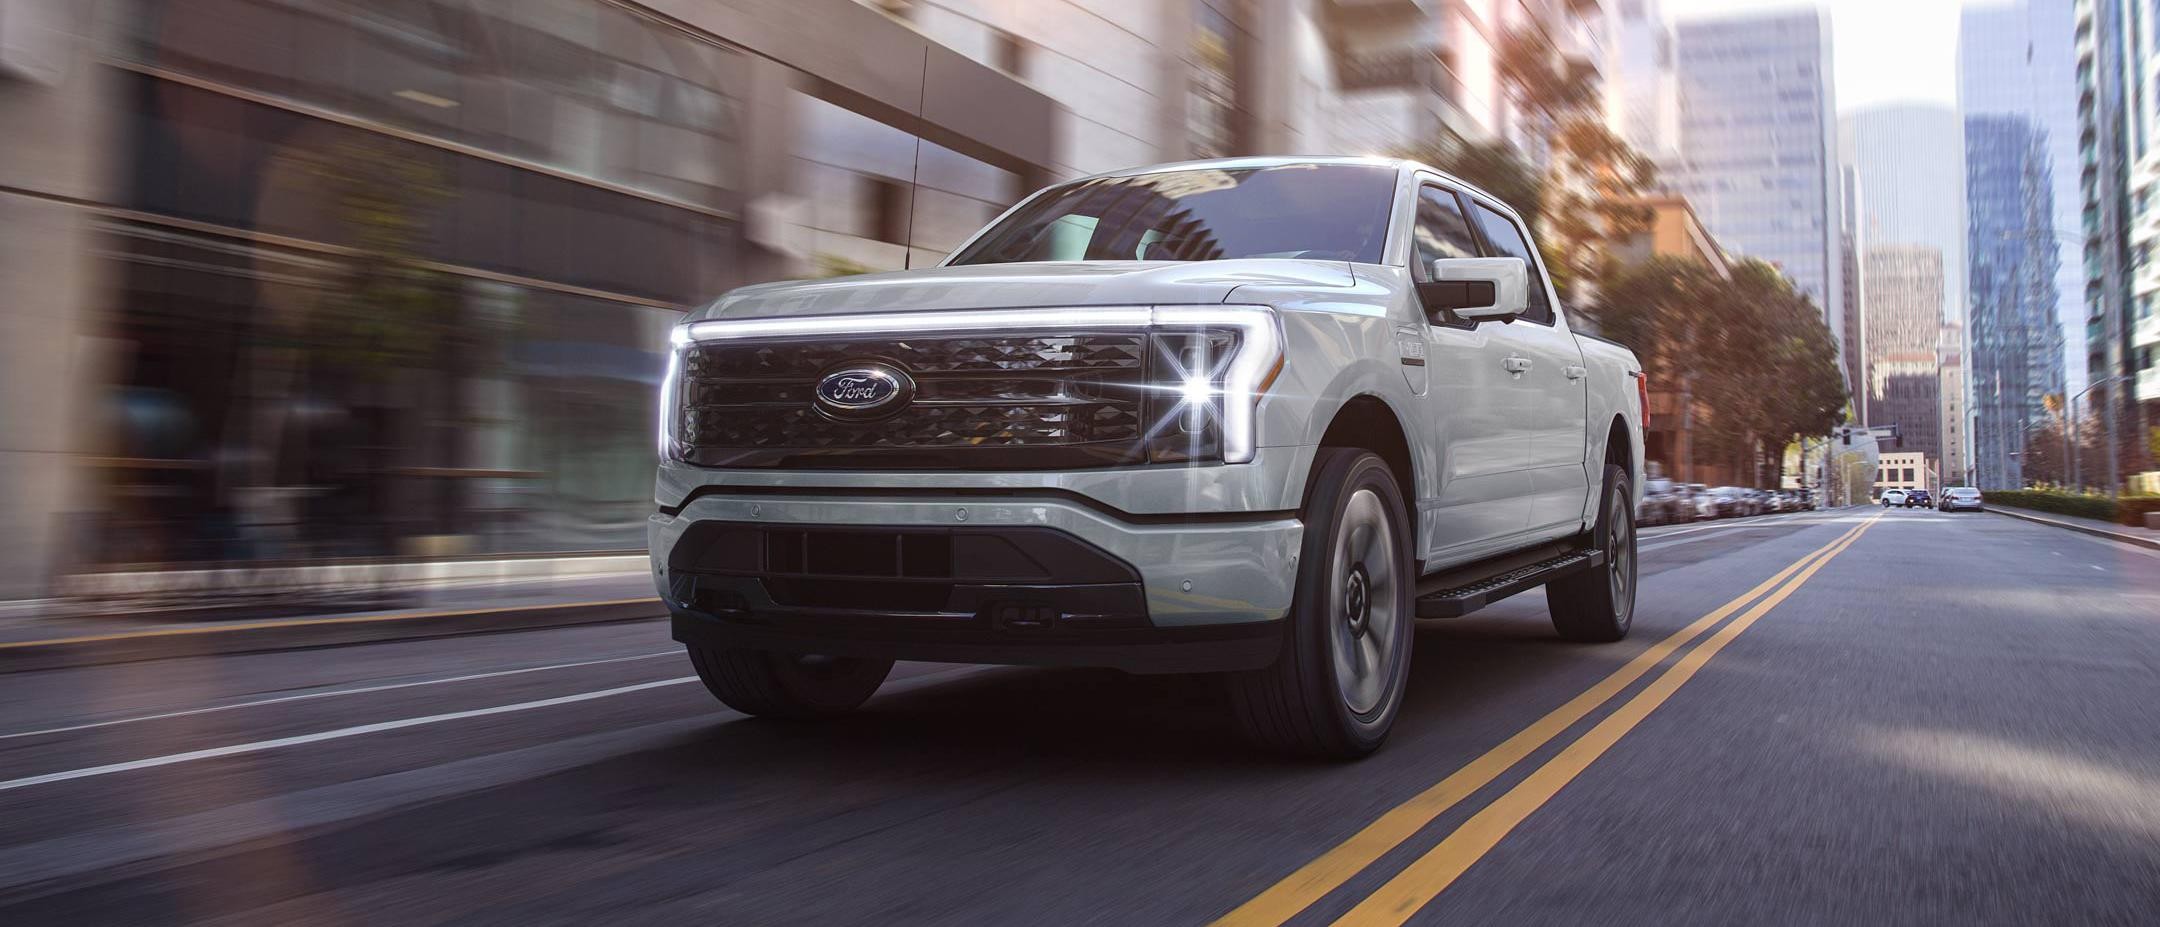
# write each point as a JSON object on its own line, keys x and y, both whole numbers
{"x": 1425, "y": 878}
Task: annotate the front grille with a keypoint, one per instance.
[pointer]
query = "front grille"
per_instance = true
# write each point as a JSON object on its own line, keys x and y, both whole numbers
{"x": 1005, "y": 400}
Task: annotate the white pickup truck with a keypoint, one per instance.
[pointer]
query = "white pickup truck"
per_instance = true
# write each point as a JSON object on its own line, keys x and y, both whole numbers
{"x": 1246, "y": 416}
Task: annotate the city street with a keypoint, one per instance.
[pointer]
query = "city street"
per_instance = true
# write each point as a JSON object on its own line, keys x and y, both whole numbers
{"x": 1859, "y": 716}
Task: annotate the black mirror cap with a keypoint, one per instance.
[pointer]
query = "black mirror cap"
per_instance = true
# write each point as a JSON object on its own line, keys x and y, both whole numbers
{"x": 1442, "y": 298}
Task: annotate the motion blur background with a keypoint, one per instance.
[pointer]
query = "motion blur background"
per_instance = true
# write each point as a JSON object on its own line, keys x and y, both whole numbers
{"x": 302, "y": 281}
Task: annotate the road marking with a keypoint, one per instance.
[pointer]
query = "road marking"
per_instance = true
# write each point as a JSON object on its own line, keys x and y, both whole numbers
{"x": 1433, "y": 872}
{"x": 337, "y": 734}
{"x": 1751, "y": 521}
{"x": 363, "y": 690}
{"x": 1297, "y": 891}
{"x": 311, "y": 622}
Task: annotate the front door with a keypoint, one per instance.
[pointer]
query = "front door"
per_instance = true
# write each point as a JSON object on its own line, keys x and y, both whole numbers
{"x": 1550, "y": 387}
{"x": 1481, "y": 503}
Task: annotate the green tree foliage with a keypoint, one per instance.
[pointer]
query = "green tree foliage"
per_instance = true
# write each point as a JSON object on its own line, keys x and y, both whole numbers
{"x": 1751, "y": 353}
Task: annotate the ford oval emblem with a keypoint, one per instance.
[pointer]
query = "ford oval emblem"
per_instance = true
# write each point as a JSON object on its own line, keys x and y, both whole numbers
{"x": 863, "y": 391}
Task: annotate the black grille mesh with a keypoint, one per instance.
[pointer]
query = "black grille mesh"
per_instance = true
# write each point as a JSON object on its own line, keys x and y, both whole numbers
{"x": 743, "y": 403}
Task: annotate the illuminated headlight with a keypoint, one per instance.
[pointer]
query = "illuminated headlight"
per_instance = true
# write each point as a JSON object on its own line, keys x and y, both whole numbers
{"x": 1210, "y": 365}
{"x": 670, "y": 395}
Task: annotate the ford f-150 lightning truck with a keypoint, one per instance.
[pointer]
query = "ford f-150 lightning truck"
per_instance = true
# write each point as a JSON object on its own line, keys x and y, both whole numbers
{"x": 1248, "y": 417}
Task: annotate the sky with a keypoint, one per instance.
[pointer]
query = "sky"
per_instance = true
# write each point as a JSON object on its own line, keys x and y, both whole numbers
{"x": 1888, "y": 51}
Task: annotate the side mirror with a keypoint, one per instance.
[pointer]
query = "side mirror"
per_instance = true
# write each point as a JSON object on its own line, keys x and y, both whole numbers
{"x": 1476, "y": 289}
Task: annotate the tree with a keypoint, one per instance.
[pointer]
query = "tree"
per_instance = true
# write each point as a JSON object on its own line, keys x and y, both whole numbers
{"x": 1752, "y": 353}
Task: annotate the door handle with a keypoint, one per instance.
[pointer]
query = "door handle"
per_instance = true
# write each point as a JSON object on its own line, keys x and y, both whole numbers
{"x": 1515, "y": 363}
{"x": 1577, "y": 373}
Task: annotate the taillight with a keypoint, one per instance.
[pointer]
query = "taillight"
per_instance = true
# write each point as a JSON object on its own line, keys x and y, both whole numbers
{"x": 1642, "y": 396}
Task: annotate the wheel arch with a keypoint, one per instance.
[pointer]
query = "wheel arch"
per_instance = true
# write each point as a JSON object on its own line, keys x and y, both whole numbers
{"x": 1367, "y": 421}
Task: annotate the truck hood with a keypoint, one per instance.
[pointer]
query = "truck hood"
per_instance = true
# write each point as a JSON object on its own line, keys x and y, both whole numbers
{"x": 1019, "y": 286}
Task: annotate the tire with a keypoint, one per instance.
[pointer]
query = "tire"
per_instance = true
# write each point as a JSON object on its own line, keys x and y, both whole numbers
{"x": 1337, "y": 683}
{"x": 1598, "y": 605}
{"x": 785, "y": 685}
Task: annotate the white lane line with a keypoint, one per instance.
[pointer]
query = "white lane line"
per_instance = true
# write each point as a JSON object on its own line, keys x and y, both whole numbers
{"x": 255, "y": 703}
{"x": 337, "y": 734}
{"x": 1755, "y": 520}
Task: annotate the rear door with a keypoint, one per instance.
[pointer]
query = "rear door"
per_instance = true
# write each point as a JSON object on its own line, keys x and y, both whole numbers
{"x": 1481, "y": 447}
{"x": 1548, "y": 385}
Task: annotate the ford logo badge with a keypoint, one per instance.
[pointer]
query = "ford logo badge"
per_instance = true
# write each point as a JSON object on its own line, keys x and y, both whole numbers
{"x": 863, "y": 391}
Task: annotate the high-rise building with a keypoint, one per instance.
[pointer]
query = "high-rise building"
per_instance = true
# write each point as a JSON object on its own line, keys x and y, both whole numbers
{"x": 1950, "y": 367}
{"x": 1758, "y": 144}
{"x": 2113, "y": 131}
{"x": 2133, "y": 329}
{"x": 2015, "y": 340}
{"x": 2019, "y": 58}
{"x": 1904, "y": 336}
{"x": 1852, "y": 244}
{"x": 1910, "y": 161}
{"x": 1642, "y": 89}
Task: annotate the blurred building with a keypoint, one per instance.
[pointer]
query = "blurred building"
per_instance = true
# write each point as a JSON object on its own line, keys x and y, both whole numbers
{"x": 300, "y": 280}
{"x": 1950, "y": 361}
{"x": 1910, "y": 161}
{"x": 2112, "y": 127}
{"x": 2018, "y": 59}
{"x": 2015, "y": 338}
{"x": 1758, "y": 143}
{"x": 1904, "y": 470}
{"x": 1852, "y": 243}
{"x": 1642, "y": 84}
{"x": 1904, "y": 329}
{"x": 2132, "y": 330}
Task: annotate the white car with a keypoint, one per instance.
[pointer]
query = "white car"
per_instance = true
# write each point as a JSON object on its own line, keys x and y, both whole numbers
{"x": 1248, "y": 416}
{"x": 1960, "y": 499}
{"x": 1893, "y": 498}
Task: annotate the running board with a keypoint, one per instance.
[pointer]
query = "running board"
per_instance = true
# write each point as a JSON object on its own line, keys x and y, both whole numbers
{"x": 1462, "y": 600}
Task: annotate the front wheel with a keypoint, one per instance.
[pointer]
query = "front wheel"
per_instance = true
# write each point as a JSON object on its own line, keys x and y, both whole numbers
{"x": 1336, "y": 686}
{"x": 1598, "y": 605}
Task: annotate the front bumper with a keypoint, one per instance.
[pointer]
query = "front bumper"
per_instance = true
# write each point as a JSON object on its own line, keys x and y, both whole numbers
{"x": 1078, "y": 585}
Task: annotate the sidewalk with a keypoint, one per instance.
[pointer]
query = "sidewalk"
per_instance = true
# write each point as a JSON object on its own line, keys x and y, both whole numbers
{"x": 2143, "y": 537}
{"x": 148, "y": 625}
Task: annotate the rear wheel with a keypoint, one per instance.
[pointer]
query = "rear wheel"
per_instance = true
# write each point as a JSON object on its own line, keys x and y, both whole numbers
{"x": 1336, "y": 687}
{"x": 1598, "y": 605}
{"x": 785, "y": 685}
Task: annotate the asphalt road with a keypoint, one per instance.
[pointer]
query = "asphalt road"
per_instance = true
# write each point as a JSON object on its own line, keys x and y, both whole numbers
{"x": 1848, "y": 717}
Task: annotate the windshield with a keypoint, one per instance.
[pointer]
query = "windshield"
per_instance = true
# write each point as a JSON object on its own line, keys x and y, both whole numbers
{"x": 1334, "y": 212}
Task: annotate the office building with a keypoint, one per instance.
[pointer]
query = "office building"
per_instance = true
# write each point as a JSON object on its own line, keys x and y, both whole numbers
{"x": 2113, "y": 135}
{"x": 1758, "y": 143}
{"x": 1904, "y": 334}
{"x": 2014, "y": 335}
{"x": 1642, "y": 87}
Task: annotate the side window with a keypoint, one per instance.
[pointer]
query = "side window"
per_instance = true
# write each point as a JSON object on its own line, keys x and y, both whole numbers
{"x": 1441, "y": 231}
{"x": 1507, "y": 240}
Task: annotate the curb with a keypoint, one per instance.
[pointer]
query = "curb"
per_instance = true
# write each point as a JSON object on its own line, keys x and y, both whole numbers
{"x": 302, "y": 633}
{"x": 2081, "y": 529}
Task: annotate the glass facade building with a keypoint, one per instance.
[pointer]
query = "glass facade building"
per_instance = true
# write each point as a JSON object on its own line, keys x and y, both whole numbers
{"x": 1758, "y": 129}
{"x": 2016, "y": 341}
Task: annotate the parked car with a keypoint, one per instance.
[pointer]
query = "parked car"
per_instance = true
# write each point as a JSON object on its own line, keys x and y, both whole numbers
{"x": 1918, "y": 499}
{"x": 1961, "y": 499}
{"x": 1706, "y": 505}
{"x": 1244, "y": 420}
{"x": 1731, "y": 502}
{"x": 1893, "y": 498}
{"x": 1664, "y": 503}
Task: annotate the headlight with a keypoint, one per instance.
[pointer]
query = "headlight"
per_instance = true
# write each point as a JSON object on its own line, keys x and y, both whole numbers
{"x": 1209, "y": 366}
{"x": 678, "y": 341}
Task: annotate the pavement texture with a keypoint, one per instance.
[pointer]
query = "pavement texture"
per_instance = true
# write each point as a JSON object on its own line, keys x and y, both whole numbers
{"x": 1842, "y": 717}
